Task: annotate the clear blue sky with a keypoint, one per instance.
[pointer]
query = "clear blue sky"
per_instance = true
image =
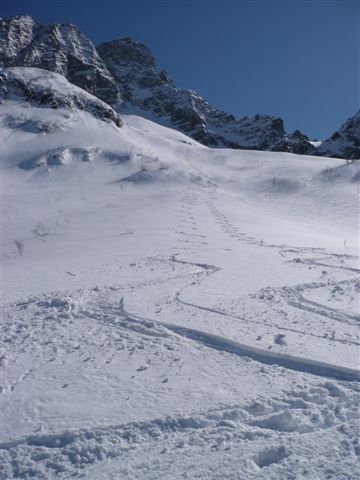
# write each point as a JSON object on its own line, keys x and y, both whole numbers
{"x": 295, "y": 59}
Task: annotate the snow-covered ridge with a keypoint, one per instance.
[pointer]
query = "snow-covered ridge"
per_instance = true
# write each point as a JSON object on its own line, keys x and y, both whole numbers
{"x": 153, "y": 94}
{"x": 123, "y": 73}
{"x": 61, "y": 48}
{"x": 41, "y": 87}
{"x": 345, "y": 142}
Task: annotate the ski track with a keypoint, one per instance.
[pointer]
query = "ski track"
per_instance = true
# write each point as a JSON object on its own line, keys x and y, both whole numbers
{"x": 293, "y": 296}
{"x": 263, "y": 356}
{"x": 262, "y": 322}
{"x": 331, "y": 404}
{"x": 278, "y": 420}
{"x": 253, "y": 426}
{"x": 267, "y": 420}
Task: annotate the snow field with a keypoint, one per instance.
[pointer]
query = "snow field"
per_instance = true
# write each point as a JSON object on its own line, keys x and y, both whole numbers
{"x": 174, "y": 311}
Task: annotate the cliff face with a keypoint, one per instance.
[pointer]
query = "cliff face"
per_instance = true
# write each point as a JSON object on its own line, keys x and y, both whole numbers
{"x": 154, "y": 93}
{"x": 345, "y": 142}
{"x": 61, "y": 48}
{"x": 123, "y": 74}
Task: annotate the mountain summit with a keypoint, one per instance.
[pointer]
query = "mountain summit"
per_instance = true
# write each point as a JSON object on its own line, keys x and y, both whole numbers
{"x": 60, "y": 48}
{"x": 345, "y": 142}
{"x": 123, "y": 74}
{"x": 156, "y": 96}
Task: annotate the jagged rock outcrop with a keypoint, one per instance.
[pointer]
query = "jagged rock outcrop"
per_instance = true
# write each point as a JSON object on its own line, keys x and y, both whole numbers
{"x": 345, "y": 142}
{"x": 45, "y": 88}
{"x": 295, "y": 142}
{"x": 123, "y": 68}
{"x": 60, "y": 48}
{"x": 155, "y": 94}
{"x": 123, "y": 74}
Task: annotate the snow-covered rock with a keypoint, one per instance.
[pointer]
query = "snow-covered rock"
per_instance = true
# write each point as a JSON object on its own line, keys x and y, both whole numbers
{"x": 61, "y": 48}
{"x": 43, "y": 88}
{"x": 155, "y": 95}
{"x": 345, "y": 142}
{"x": 123, "y": 73}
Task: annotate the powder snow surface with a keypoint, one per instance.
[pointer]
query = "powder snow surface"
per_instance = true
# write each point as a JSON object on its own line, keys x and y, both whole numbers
{"x": 172, "y": 311}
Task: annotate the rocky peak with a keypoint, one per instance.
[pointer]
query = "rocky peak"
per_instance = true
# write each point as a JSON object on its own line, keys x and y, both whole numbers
{"x": 345, "y": 142}
{"x": 125, "y": 52}
{"x": 128, "y": 67}
{"x": 60, "y": 48}
{"x": 16, "y": 33}
{"x": 133, "y": 66}
{"x": 154, "y": 94}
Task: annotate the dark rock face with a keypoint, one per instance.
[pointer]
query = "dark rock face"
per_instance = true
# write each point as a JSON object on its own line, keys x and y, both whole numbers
{"x": 123, "y": 74}
{"x": 59, "y": 48}
{"x": 44, "y": 88}
{"x": 296, "y": 142}
{"x": 127, "y": 67}
{"x": 132, "y": 66}
{"x": 344, "y": 143}
{"x": 156, "y": 95}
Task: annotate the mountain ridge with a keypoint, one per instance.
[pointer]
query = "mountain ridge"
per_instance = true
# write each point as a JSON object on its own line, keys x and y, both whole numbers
{"x": 60, "y": 48}
{"x": 123, "y": 74}
{"x": 133, "y": 66}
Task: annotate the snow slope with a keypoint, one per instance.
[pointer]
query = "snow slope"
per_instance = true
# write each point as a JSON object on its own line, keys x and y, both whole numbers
{"x": 173, "y": 311}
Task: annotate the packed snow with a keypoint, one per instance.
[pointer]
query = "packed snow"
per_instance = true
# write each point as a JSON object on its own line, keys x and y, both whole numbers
{"x": 173, "y": 311}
